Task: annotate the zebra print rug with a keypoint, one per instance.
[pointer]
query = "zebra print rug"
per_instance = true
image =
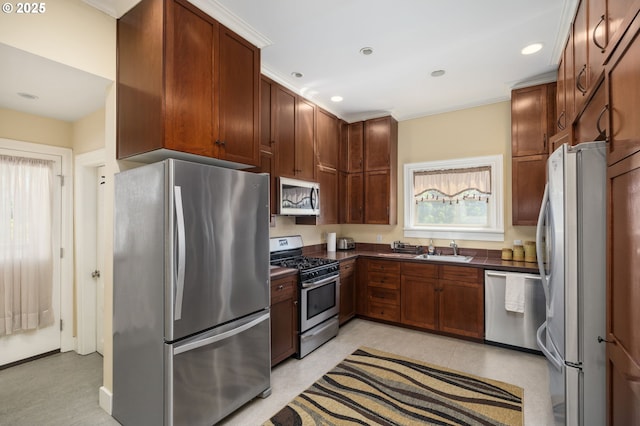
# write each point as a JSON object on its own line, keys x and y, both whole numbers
{"x": 371, "y": 387}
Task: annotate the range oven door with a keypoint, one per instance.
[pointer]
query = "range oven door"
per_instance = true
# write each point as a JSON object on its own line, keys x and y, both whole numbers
{"x": 319, "y": 301}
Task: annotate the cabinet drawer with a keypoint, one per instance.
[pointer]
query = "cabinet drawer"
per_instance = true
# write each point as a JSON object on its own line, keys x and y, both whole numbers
{"x": 384, "y": 266}
{"x": 283, "y": 289}
{"x": 419, "y": 270}
{"x": 383, "y": 295}
{"x": 461, "y": 273}
{"x": 383, "y": 279}
{"x": 347, "y": 267}
{"x": 384, "y": 311}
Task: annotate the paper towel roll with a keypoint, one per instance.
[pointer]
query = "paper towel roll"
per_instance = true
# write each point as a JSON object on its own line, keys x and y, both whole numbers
{"x": 331, "y": 241}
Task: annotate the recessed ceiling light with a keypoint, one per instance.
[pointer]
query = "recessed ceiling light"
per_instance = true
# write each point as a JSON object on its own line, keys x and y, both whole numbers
{"x": 531, "y": 49}
{"x": 297, "y": 74}
{"x": 366, "y": 51}
{"x": 336, "y": 98}
{"x": 437, "y": 73}
{"x": 27, "y": 96}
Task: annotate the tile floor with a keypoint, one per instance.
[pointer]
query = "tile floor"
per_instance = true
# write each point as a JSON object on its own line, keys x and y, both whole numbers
{"x": 63, "y": 389}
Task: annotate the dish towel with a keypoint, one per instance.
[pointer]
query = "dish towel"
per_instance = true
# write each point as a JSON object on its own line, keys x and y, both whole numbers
{"x": 514, "y": 293}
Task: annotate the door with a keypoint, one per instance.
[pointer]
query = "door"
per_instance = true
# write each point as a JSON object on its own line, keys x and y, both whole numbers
{"x": 556, "y": 250}
{"x": 221, "y": 245}
{"x": 205, "y": 366}
{"x": 20, "y": 343}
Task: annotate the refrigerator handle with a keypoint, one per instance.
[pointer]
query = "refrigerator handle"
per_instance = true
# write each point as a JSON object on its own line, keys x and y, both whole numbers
{"x": 181, "y": 253}
{"x": 543, "y": 347}
{"x": 222, "y": 336}
{"x": 539, "y": 246}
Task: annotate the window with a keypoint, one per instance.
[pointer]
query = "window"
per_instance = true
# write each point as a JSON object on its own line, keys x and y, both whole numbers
{"x": 457, "y": 199}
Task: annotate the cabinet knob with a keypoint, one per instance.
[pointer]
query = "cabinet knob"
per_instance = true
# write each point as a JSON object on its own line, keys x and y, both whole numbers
{"x": 579, "y": 86}
{"x": 601, "y": 131}
{"x": 593, "y": 35}
{"x": 280, "y": 287}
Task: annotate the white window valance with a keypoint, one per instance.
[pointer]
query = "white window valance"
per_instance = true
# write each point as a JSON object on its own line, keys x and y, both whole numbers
{"x": 452, "y": 182}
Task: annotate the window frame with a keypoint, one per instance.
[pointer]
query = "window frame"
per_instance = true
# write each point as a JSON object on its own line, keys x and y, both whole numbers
{"x": 495, "y": 230}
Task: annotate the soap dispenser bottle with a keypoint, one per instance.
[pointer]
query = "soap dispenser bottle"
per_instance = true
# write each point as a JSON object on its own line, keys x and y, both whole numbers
{"x": 431, "y": 249}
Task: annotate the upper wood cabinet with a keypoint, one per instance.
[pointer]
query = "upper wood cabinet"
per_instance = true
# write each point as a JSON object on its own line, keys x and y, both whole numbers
{"x": 580, "y": 54}
{"x": 565, "y": 101}
{"x": 532, "y": 124}
{"x": 592, "y": 125}
{"x": 327, "y": 139}
{"x": 532, "y": 119}
{"x": 185, "y": 92}
{"x": 283, "y": 110}
{"x": 380, "y": 139}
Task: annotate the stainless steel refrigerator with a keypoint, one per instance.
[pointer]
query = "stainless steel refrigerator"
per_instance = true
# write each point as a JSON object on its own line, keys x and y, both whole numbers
{"x": 191, "y": 338}
{"x": 571, "y": 236}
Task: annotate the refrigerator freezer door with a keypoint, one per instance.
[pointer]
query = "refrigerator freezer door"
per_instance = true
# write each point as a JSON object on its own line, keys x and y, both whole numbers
{"x": 218, "y": 238}
{"x": 210, "y": 375}
{"x": 557, "y": 375}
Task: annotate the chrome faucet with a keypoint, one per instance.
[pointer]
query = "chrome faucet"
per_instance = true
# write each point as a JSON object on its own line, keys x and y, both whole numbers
{"x": 454, "y": 246}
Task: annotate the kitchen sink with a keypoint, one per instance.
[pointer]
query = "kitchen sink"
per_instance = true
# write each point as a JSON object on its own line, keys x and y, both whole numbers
{"x": 445, "y": 257}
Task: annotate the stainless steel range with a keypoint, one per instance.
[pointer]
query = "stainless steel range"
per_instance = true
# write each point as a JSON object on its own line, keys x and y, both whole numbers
{"x": 319, "y": 284}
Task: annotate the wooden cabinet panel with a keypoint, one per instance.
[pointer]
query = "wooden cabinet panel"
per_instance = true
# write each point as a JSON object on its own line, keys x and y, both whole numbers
{"x": 347, "y": 290}
{"x": 565, "y": 103}
{"x": 592, "y": 123}
{"x": 462, "y": 308}
{"x": 284, "y": 111}
{"x": 383, "y": 295}
{"x": 267, "y": 165}
{"x": 327, "y": 139}
{"x": 580, "y": 58}
{"x": 305, "y": 139}
{"x": 619, "y": 16}
{"x": 266, "y": 113}
{"x": 419, "y": 302}
{"x": 528, "y": 180}
{"x": 238, "y": 89}
{"x": 384, "y": 311}
{"x": 419, "y": 270}
{"x": 355, "y": 200}
{"x": 378, "y": 140}
{"x": 561, "y": 97}
{"x": 530, "y": 119}
{"x": 328, "y": 180}
{"x": 284, "y": 318}
{"x": 362, "y": 277}
{"x": 623, "y": 78}
{"x": 623, "y": 292}
{"x": 565, "y": 136}
{"x": 597, "y": 38}
{"x": 355, "y": 144}
{"x": 460, "y": 273}
{"x": 384, "y": 266}
{"x": 377, "y": 203}
{"x": 383, "y": 279}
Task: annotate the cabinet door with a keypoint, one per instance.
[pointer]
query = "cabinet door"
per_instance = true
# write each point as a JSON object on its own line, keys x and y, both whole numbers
{"x": 419, "y": 302}
{"x": 592, "y": 124}
{"x": 461, "y": 308}
{"x": 580, "y": 58}
{"x": 284, "y": 318}
{"x": 624, "y": 95}
{"x": 362, "y": 267}
{"x": 529, "y": 120}
{"x": 238, "y": 92}
{"x": 189, "y": 82}
{"x": 528, "y": 180}
{"x": 378, "y": 134}
{"x": 284, "y": 111}
{"x": 355, "y": 151}
{"x": 327, "y": 139}
{"x": 619, "y": 14}
{"x": 328, "y": 180}
{"x": 561, "y": 97}
{"x": 347, "y": 290}
{"x": 267, "y": 165}
{"x": 354, "y": 198}
{"x": 266, "y": 116}
{"x": 597, "y": 42}
{"x": 377, "y": 187}
{"x": 305, "y": 139}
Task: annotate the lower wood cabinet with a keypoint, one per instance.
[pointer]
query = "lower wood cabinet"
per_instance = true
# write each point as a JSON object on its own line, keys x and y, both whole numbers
{"x": 347, "y": 290}
{"x": 284, "y": 318}
{"x": 444, "y": 298}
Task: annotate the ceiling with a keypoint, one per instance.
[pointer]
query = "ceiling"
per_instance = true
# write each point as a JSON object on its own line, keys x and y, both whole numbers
{"x": 476, "y": 43}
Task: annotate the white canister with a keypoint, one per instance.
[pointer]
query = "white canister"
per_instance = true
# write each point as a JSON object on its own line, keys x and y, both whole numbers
{"x": 331, "y": 241}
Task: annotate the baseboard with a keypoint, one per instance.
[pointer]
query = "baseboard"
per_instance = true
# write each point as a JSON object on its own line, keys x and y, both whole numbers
{"x": 105, "y": 398}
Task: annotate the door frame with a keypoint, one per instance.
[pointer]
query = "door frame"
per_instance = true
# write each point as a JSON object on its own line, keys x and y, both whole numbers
{"x": 85, "y": 239}
{"x": 67, "y": 340}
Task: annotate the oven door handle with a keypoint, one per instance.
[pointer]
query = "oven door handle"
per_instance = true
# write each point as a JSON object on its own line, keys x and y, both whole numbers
{"x": 321, "y": 282}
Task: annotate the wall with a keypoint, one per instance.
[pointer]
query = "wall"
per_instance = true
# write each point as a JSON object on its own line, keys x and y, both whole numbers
{"x": 88, "y": 133}
{"x": 32, "y": 128}
{"x": 473, "y": 132}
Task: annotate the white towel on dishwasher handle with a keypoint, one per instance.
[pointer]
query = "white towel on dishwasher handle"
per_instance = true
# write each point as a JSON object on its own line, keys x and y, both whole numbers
{"x": 514, "y": 293}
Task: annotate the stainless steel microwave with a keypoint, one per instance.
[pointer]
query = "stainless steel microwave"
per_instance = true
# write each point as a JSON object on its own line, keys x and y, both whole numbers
{"x": 298, "y": 197}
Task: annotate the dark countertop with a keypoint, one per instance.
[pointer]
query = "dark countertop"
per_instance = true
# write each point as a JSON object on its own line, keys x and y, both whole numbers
{"x": 480, "y": 261}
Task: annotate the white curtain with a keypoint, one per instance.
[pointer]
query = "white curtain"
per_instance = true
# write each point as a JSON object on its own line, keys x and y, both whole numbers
{"x": 26, "y": 263}
{"x": 454, "y": 181}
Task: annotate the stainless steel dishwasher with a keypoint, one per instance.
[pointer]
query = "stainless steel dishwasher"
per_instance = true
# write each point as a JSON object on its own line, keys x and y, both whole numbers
{"x": 513, "y": 328}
